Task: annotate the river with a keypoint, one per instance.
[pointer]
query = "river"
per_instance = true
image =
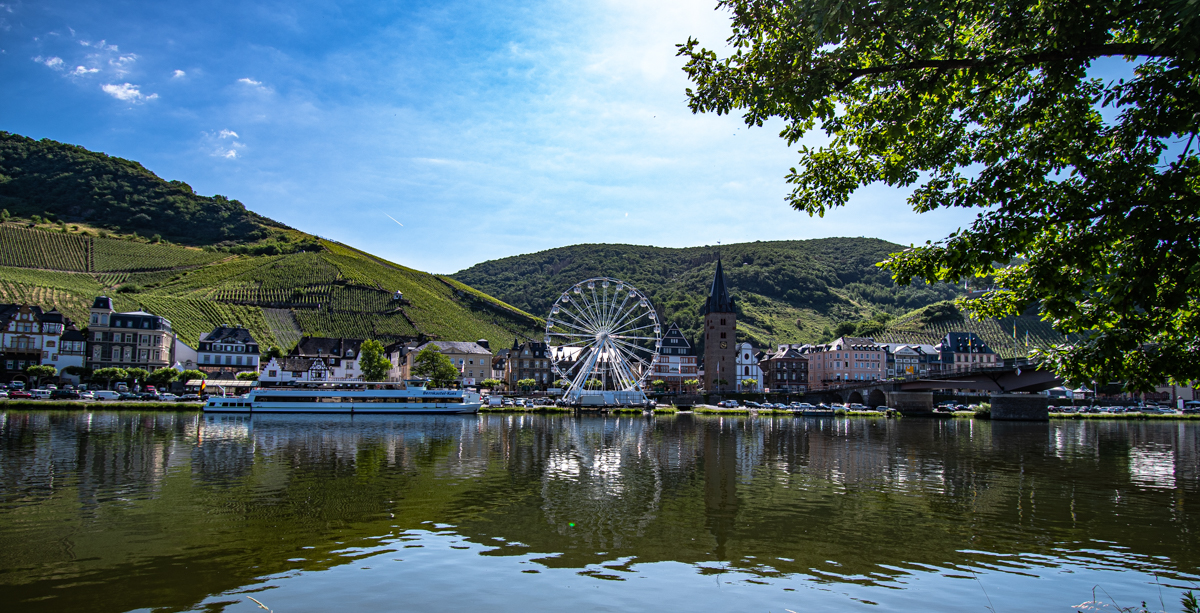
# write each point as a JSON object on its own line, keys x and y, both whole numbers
{"x": 125, "y": 511}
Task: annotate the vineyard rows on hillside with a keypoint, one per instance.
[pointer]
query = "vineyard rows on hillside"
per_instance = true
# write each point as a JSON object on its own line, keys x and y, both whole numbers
{"x": 283, "y": 326}
{"x": 33, "y": 248}
{"x": 112, "y": 255}
{"x": 191, "y": 317}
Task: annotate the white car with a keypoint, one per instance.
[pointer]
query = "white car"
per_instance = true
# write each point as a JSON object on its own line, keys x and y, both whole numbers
{"x": 87, "y": 395}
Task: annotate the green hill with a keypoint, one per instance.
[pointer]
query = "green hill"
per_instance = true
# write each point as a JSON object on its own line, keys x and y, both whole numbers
{"x": 786, "y": 291}
{"x": 70, "y": 184}
{"x": 85, "y": 219}
{"x": 338, "y": 291}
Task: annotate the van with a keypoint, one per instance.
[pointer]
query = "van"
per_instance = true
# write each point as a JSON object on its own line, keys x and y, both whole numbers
{"x": 40, "y": 394}
{"x": 495, "y": 401}
{"x": 106, "y": 395}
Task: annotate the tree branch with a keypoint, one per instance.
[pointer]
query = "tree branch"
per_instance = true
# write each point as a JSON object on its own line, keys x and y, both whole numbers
{"x": 1079, "y": 53}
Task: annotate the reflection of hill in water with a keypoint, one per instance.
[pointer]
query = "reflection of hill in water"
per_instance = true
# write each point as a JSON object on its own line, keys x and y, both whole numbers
{"x": 129, "y": 500}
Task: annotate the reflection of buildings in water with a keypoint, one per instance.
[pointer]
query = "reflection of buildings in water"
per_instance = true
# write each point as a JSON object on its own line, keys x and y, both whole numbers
{"x": 97, "y": 454}
{"x": 1152, "y": 465}
{"x": 600, "y": 482}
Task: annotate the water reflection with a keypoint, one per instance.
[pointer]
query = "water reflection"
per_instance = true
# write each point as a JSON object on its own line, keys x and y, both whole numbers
{"x": 116, "y": 511}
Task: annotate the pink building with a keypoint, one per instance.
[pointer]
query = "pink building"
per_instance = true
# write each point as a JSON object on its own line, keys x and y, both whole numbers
{"x": 845, "y": 359}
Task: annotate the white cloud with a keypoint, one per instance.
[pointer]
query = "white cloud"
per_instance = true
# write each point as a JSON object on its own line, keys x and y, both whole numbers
{"x": 227, "y": 134}
{"x": 99, "y": 45}
{"x": 249, "y": 81}
{"x": 178, "y": 74}
{"x": 81, "y": 70}
{"x": 231, "y": 154}
{"x": 52, "y": 62}
{"x": 127, "y": 92}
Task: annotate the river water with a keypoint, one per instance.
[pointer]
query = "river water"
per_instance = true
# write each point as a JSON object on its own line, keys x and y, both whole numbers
{"x": 183, "y": 511}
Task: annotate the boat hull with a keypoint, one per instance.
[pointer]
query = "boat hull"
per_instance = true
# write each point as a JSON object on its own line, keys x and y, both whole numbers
{"x": 329, "y": 407}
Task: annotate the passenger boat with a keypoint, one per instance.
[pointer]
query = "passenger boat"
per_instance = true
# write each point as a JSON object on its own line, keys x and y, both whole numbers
{"x": 348, "y": 397}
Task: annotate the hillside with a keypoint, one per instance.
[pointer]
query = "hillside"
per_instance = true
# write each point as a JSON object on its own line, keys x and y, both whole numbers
{"x": 786, "y": 291}
{"x": 338, "y": 291}
{"x": 70, "y": 184}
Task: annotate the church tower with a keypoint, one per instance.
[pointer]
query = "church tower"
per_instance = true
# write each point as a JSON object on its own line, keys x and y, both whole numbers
{"x": 720, "y": 338}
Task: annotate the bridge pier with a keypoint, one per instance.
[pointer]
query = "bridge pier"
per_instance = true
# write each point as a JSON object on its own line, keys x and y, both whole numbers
{"x": 910, "y": 403}
{"x": 1020, "y": 407}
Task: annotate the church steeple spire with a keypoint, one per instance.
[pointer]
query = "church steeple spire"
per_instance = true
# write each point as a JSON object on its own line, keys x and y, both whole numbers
{"x": 718, "y": 297}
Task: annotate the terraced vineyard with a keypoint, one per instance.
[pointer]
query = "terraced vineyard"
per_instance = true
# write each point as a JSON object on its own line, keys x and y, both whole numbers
{"x": 997, "y": 333}
{"x": 337, "y": 292}
{"x": 36, "y": 248}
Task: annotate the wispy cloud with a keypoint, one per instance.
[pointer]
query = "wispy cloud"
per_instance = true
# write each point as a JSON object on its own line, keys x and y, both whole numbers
{"x": 102, "y": 45}
{"x": 227, "y": 134}
{"x": 224, "y": 144}
{"x": 83, "y": 70}
{"x": 178, "y": 74}
{"x": 127, "y": 92}
{"x": 249, "y": 81}
{"x": 53, "y": 62}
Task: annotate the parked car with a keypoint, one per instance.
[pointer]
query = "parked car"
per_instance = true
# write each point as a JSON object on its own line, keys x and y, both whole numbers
{"x": 87, "y": 395}
{"x": 50, "y": 387}
{"x": 106, "y": 395}
{"x": 16, "y": 385}
{"x": 3, "y": 394}
{"x": 166, "y": 397}
{"x": 188, "y": 398}
{"x": 64, "y": 395}
{"x": 126, "y": 396}
{"x": 40, "y": 394}
{"x": 150, "y": 389}
{"x": 20, "y": 394}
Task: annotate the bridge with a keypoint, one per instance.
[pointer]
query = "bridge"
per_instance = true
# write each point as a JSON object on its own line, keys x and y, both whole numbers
{"x": 915, "y": 394}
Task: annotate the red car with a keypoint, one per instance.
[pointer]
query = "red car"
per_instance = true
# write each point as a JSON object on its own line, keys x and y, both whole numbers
{"x": 19, "y": 394}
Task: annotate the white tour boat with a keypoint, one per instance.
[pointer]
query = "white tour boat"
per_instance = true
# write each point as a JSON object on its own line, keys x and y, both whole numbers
{"x": 348, "y": 397}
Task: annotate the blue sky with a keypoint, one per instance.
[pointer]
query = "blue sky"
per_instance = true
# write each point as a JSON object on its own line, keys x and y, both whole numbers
{"x": 487, "y": 129}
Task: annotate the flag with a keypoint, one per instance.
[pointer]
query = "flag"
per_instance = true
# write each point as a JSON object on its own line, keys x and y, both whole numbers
{"x": 203, "y": 384}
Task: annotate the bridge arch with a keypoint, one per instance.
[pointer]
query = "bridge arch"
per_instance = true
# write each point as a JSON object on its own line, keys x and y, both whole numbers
{"x": 856, "y": 397}
{"x": 836, "y": 398}
{"x": 876, "y": 398}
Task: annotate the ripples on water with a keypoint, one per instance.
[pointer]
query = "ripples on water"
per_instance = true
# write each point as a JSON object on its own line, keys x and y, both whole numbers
{"x": 121, "y": 511}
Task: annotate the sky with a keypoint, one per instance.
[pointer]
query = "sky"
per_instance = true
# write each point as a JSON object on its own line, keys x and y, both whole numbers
{"x": 434, "y": 134}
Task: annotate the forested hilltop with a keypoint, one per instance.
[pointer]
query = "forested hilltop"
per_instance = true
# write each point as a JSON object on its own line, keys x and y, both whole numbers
{"x": 787, "y": 291}
{"x": 67, "y": 183}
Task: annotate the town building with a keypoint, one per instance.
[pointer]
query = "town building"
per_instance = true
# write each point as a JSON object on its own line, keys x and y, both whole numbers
{"x": 786, "y": 370}
{"x": 676, "y": 361}
{"x": 911, "y": 359}
{"x": 747, "y": 369}
{"x": 32, "y": 337}
{"x": 472, "y": 359}
{"x": 720, "y": 336}
{"x": 227, "y": 351}
{"x": 339, "y": 355}
{"x": 529, "y": 360}
{"x": 135, "y": 339}
{"x": 846, "y": 359}
{"x": 966, "y": 351}
{"x": 294, "y": 370}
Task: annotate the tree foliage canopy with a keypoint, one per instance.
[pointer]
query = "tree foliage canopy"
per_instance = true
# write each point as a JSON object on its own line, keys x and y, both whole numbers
{"x": 434, "y": 365}
{"x": 372, "y": 362}
{"x": 1088, "y": 187}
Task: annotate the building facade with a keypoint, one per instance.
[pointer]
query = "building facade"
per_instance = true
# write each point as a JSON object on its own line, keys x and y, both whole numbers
{"x": 912, "y": 360}
{"x": 473, "y": 360}
{"x": 339, "y": 355}
{"x": 847, "y": 359}
{"x": 786, "y": 370}
{"x": 228, "y": 350}
{"x": 966, "y": 351}
{"x": 135, "y": 339}
{"x": 720, "y": 336}
{"x": 676, "y": 361}
{"x": 529, "y": 360}
{"x": 32, "y": 337}
{"x": 749, "y": 374}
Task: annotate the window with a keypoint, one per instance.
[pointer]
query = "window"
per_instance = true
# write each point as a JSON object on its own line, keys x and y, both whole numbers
{"x": 722, "y": 322}
{"x": 722, "y": 335}
{"x": 207, "y": 358}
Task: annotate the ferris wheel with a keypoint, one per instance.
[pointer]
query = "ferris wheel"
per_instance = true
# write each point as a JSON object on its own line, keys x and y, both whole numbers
{"x": 603, "y": 335}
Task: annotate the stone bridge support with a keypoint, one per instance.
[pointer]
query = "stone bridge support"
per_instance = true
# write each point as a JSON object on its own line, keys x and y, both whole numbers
{"x": 1020, "y": 407}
